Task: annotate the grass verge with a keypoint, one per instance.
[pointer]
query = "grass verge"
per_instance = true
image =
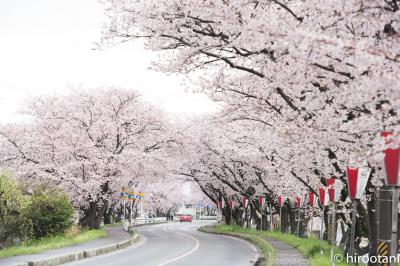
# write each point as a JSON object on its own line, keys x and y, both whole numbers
{"x": 53, "y": 242}
{"x": 308, "y": 247}
{"x": 267, "y": 251}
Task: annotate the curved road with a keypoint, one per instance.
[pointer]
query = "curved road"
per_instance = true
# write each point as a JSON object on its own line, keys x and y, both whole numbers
{"x": 179, "y": 244}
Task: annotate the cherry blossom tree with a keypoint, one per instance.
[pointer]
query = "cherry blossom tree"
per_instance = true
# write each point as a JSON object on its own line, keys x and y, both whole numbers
{"x": 89, "y": 143}
{"x": 307, "y": 86}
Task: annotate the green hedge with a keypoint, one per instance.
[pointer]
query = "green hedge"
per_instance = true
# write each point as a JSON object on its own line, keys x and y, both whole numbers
{"x": 50, "y": 211}
{"x": 15, "y": 226}
{"x": 46, "y": 212}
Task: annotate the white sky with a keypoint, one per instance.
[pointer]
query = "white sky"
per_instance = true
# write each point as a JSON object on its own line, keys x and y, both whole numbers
{"x": 46, "y": 46}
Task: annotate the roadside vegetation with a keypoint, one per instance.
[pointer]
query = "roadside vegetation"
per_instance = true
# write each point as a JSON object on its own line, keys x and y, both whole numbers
{"x": 72, "y": 237}
{"x": 36, "y": 219}
{"x": 308, "y": 247}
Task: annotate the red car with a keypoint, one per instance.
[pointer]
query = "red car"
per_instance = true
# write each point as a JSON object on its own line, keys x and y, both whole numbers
{"x": 185, "y": 218}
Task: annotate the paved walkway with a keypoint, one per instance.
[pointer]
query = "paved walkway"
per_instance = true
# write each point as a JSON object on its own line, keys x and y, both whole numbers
{"x": 287, "y": 255}
{"x": 114, "y": 235}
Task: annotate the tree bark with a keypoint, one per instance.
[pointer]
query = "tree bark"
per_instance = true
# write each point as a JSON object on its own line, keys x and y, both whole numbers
{"x": 92, "y": 216}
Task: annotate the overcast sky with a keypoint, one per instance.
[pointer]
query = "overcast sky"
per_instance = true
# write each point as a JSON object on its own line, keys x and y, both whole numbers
{"x": 46, "y": 47}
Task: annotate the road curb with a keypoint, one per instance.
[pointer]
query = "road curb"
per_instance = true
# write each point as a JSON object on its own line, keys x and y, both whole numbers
{"x": 81, "y": 254}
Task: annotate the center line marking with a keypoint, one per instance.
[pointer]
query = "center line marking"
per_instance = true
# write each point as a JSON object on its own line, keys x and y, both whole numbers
{"x": 196, "y": 247}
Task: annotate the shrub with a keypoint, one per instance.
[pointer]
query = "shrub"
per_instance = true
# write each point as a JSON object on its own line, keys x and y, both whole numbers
{"x": 50, "y": 211}
{"x": 15, "y": 226}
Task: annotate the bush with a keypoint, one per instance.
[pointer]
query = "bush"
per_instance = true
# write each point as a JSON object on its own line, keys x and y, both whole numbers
{"x": 50, "y": 211}
{"x": 15, "y": 226}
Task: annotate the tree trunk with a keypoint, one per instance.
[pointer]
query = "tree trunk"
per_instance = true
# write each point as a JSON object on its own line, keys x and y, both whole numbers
{"x": 108, "y": 216}
{"x": 92, "y": 216}
{"x": 292, "y": 220}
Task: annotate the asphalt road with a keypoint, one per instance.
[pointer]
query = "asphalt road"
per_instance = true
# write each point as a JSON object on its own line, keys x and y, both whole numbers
{"x": 179, "y": 244}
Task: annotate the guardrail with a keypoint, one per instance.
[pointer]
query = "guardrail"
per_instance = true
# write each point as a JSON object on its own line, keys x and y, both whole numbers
{"x": 143, "y": 221}
{"x": 155, "y": 220}
{"x": 211, "y": 217}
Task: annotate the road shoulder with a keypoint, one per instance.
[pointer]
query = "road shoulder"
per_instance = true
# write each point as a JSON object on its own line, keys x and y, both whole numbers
{"x": 266, "y": 252}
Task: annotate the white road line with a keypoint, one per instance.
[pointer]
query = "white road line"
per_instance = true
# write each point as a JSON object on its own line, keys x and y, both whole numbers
{"x": 196, "y": 247}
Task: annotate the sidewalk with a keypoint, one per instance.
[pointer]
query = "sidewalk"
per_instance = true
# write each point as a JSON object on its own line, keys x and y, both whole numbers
{"x": 114, "y": 235}
{"x": 286, "y": 255}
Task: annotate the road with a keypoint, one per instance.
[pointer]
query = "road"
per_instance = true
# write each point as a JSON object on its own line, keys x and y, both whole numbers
{"x": 179, "y": 244}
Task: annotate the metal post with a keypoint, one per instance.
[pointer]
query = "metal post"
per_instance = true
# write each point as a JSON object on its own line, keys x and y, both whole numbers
{"x": 261, "y": 220}
{"x": 270, "y": 217}
{"x": 385, "y": 205}
{"x": 123, "y": 211}
{"x": 333, "y": 239}
{"x": 141, "y": 209}
{"x": 321, "y": 233}
{"x": 298, "y": 223}
{"x": 312, "y": 220}
{"x": 280, "y": 218}
{"x": 130, "y": 218}
{"x": 231, "y": 222}
{"x": 395, "y": 214}
{"x": 353, "y": 228}
{"x": 245, "y": 217}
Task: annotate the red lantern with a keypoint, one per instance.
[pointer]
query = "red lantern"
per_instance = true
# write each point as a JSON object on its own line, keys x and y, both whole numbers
{"x": 312, "y": 199}
{"x": 322, "y": 196}
{"x": 392, "y": 157}
{"x": 244, "y": 201}
{"x": 352, "y": 176}
{"x": 280, "y": 201}
{"x": 333, "y": 192}
{"x": 260, "y": 201}
{"x": 298, "y": 201}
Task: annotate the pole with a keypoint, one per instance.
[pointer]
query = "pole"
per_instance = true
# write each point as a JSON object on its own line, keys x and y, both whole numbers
{"x": 385, "y": 205}
{"x": 131, "y": 210}
{"x": 231, "y": 222}
{"x": 270, "y": 217}
{"x": 141, "y": 209}
{"x": 321, "y": 233}
{"x": 333, "y": 233}
{"x": 298, "y": 223}
{"x": 123, "y": 212}
{"x": 395, "y": 214}
{"x": 353, "y": 228}
{"x": 280, "y": 218}
{"x": 312, "y": 220}
{"x": 261, "y": 220}
{"x": 245, "y": 217}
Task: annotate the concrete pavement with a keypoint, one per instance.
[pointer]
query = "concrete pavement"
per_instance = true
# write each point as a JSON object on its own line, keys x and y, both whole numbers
{"x": 179, "y": 244}
{"x": 287, "y": 255}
